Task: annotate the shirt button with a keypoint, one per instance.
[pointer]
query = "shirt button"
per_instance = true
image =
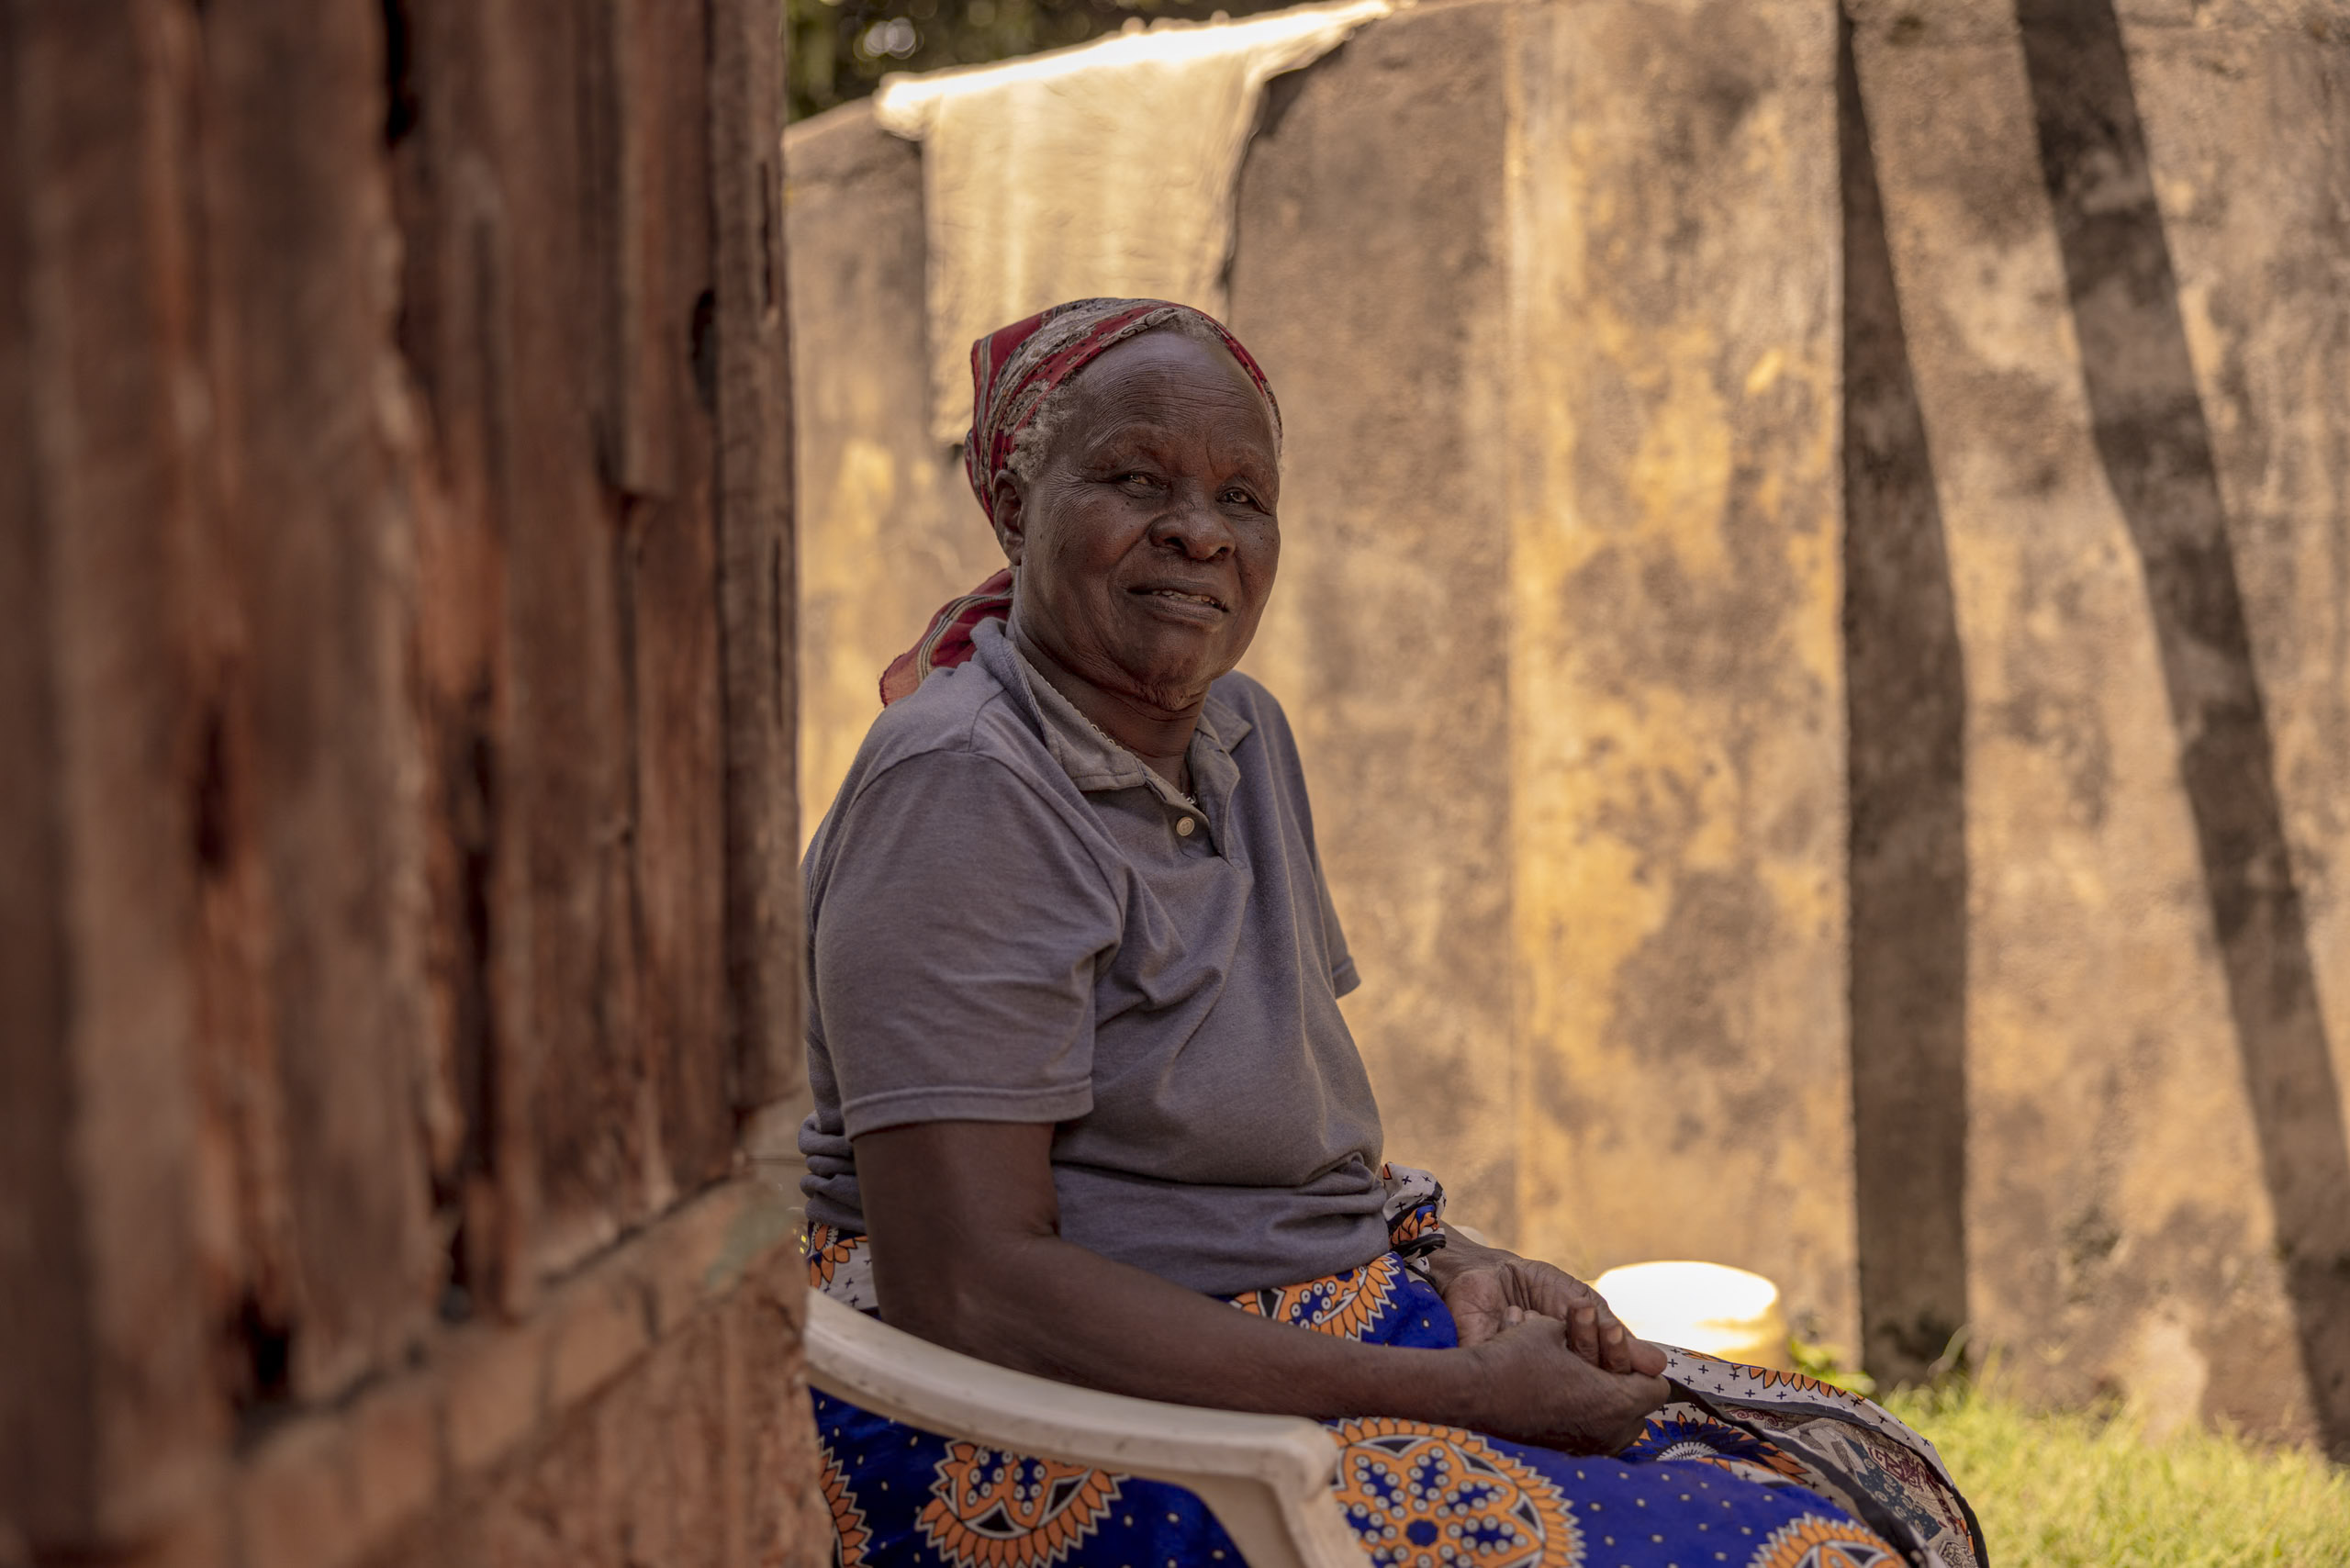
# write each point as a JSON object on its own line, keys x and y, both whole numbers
{"x": 1183, "y": 827}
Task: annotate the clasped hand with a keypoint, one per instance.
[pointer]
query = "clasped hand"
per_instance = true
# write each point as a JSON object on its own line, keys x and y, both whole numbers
{"x": 1562, "y": 1370}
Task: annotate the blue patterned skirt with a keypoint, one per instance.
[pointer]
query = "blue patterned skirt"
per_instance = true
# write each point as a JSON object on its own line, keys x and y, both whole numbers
{"x": 1745, "y": 1466}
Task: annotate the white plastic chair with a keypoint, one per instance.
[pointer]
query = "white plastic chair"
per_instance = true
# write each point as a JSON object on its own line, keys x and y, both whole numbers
{"x": 1266, "y": 1478}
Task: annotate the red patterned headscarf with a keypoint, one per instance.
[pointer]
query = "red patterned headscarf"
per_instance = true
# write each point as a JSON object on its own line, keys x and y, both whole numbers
{"x": 1015, "y": 370}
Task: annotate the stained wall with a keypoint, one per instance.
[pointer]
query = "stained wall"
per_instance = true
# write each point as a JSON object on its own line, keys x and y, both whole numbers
{"x": 1468, "y": 614}
{"x": 2118, "y": 243}
{"x": 1372, "y": 248}
{"x": 1813, "y": 601}
{"x": 1676, "y": 769}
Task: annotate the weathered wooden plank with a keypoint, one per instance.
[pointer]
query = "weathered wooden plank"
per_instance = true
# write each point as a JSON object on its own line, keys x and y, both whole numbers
{"x": 251, "y": 1247}
{"x": 107, "y": 1061}
{"x": 457, "y": 357}
{"x": 676, "y": 729}
{"x": 366, "y": 832}
{"x": 575, "y": 699}
{"x": 653, "y": 81}
{"x": 312, "y": 518}
{"x": 456, "y": 343}
{"x": 569, "y": 1042}
{"x": 47, "y": 1418}
{"x": 756, "y": 578}
{"x": 680, "y": 841}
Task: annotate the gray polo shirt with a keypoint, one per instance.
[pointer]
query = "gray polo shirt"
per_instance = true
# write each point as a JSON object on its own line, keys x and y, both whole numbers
{"x": 1010, "y": 919}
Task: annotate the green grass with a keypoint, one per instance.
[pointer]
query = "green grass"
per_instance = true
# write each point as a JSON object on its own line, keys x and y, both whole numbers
{"x": 2085, "y": 1491}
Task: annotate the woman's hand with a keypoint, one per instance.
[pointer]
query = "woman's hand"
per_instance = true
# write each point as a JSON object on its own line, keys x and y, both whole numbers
{"x": 1539, "y": 1389}
{"x": 1481, "y": 1285}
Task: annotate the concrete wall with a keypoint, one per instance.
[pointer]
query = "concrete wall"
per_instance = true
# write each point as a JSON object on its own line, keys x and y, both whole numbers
{"x": 1769, "y": 781}
{"x": 2120, "y": 243}
{"x": 1676, "y": 693}
{"x": 902, "y": 532}
{"x": 1372, "y": 244}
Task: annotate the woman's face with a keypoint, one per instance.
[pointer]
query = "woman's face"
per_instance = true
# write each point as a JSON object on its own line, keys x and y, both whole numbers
{"x": 1146, "y": 543}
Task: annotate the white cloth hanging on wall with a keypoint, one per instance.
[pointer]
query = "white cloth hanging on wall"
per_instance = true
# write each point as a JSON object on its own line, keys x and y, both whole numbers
{"x": 1105, "y": 169}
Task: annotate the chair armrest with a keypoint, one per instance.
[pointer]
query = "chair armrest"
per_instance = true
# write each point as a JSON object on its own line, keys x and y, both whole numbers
{"x": 1266, "y": 1478}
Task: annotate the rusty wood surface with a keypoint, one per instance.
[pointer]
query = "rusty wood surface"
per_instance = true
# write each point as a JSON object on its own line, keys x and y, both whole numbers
{"x": 570, "y": 1048}
{"x": 763, "y": 958}
{"x": 670, "y": 584}
{"x": 395, "y": 663}
{"x": 46, "y": 1410}
{"x": 456, "y": 344}
{"x": 554, "y": 191}
{"x": 569, "y": 627}
{"x": 313, "y": 539}
{"x": 646, "y": 60}
{"x": 122, "y": 1420}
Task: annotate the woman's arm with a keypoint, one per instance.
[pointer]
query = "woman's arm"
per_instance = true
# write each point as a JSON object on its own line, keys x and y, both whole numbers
{"x": 967, "y": 1253}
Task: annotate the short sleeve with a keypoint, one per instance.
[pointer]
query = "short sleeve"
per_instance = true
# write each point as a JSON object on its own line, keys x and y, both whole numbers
{"x": 956, "y": 926}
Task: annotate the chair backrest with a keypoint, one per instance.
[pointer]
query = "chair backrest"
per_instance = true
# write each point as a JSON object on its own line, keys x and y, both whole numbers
{"x": 1266, "y": 1478}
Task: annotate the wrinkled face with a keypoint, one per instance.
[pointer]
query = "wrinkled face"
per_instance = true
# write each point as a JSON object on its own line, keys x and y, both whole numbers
{"x": 1145, "y": 545}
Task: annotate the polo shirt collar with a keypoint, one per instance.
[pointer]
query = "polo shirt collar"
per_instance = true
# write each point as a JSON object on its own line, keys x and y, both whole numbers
{"x": 1094, "y": 762}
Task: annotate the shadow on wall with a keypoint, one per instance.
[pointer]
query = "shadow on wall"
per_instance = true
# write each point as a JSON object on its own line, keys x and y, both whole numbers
{"x": 1905, "y": 697}
{"x": 2156, "y": 445}
{"x": 1906, "y": 691}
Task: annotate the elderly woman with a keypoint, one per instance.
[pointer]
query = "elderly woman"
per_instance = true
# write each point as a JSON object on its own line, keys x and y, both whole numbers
{"x": 1086, "y": 1105}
